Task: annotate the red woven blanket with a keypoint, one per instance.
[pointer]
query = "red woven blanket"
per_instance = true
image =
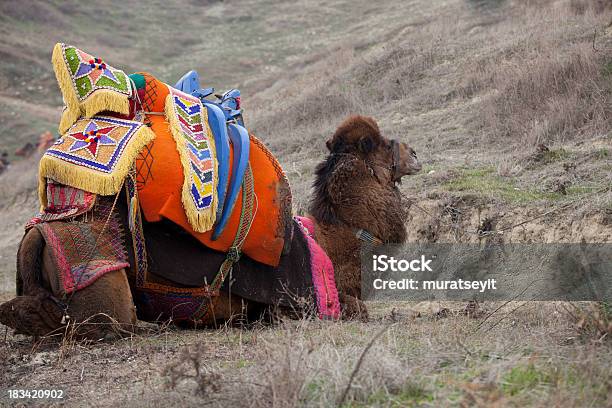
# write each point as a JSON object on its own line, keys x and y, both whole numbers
{"x": 84, "y": 251}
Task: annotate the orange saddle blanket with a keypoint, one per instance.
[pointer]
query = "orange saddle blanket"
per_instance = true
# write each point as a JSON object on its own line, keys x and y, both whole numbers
{"x": 160, "y": 178}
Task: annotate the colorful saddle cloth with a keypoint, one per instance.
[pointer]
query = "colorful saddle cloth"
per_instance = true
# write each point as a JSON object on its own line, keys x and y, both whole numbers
{"x": 89, "y": 85}
{"x": 63, "y": 202}
{"x": 195, "y": 144}
{"x": 161, "y": 188}
{"x": 94, "y": 155}
{"x": 174, "y": 152}
{"x": 322, "y": 270}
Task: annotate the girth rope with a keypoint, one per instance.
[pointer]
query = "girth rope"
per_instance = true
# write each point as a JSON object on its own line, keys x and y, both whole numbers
{"x": 234, "y": 253}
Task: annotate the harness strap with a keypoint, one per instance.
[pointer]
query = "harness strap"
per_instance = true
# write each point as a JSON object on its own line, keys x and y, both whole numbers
{"x": 367, "y": 237}
{"x": 234, "y": 253}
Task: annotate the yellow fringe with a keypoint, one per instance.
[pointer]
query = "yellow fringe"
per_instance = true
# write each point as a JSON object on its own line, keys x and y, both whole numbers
{"x": 64, "y": 80}
{"x": 88, "y": 179}
{"x": 105, "y": 100}
{"x": 69, "y": 118}
{"x": 98, "y": 101}
{"x": 200, "y": 221}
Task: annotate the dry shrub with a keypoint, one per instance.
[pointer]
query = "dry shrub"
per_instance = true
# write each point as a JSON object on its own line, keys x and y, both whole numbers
{"x": 300, "y": 363}
{"x": 544, "y": 82}
{"x": 572, "y": 7}
{"x": 391, "y": 75}
{"x": 551, "y": 97}
{"x": 593, "y": 321}
{"x": 301, "y": 369}
{"x": 585, "y": 6}
{"x": 191, "y": 368}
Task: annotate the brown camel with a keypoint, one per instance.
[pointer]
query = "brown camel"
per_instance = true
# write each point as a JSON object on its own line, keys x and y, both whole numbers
{"x": 355, "y": 188}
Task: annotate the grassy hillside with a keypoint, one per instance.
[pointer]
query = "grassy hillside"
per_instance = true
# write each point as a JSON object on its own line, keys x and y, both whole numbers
{"x": 230, "y": 43}
{"x": 508, "y": 105}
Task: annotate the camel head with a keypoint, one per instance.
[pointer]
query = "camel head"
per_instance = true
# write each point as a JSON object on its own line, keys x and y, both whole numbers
{"x": 356, "y": 183}
{"x": 389, "y": 159}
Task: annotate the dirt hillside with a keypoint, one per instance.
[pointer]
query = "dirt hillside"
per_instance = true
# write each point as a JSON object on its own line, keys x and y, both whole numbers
{"x": 508, "y": 105}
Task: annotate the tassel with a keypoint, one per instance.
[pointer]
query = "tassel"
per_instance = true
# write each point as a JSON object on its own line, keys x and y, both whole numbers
{"x": 64, "y": 80}
{"x": 69, "y": 118}
{"x": 106, "y": 100}
{"x": 133, "y": 213}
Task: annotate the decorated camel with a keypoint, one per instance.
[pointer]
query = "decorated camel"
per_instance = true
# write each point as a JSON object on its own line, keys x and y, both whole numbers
{"x": 159, "y": 206}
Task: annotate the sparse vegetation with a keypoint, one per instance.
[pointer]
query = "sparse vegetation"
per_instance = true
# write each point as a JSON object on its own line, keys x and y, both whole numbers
{"x": 485, "y": 181}
{"x": 474, "y": 86}
{"x": 421, "y": 360}
{"x": 524, "y": 379}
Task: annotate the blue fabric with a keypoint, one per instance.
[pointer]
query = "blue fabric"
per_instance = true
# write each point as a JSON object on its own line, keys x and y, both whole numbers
{"x": 188, "y": 83}
{"x": 217, "y": 117}
{"x": 216, "y": 121}
{"x": 240, "y": 141}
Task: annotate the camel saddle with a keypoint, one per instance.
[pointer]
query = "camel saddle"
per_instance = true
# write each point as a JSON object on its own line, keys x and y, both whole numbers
{"x": 188, "y": 160}
{"x": 160, "y": 181}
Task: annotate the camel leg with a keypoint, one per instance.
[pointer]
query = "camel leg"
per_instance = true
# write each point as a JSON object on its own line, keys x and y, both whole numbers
{"x": 34, "y": 311}
{"x": 104, "y": 309}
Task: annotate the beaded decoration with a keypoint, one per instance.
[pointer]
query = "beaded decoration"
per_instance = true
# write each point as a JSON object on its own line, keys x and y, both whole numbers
{"x": 94, "y": 155}
{"x": 89, "y": 85}
{"x": 196, "y": 146}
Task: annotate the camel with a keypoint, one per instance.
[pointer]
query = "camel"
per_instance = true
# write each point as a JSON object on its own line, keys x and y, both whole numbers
{"x": 340, "y": 206}
{"x": 354, "y": 189}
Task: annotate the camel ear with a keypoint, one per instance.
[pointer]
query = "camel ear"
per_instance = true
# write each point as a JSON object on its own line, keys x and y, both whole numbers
{"x": 364, "y": 145}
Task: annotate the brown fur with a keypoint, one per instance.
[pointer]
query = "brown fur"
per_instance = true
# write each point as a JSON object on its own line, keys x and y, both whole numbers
{"x": 34, "y": 312}
{"x": 100, "y": 311}
{"x": 355, "y": 189}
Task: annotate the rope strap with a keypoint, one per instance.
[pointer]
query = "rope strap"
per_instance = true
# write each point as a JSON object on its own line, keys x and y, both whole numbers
{"x": 234, "y": 252}
{"x": 367, "y": 237}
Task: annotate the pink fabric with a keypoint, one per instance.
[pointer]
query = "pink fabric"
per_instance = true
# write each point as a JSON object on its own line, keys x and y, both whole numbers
{"x": 77, "y": 276}
{"x": 322, "y": 271}
{"x": 63, "y": 202}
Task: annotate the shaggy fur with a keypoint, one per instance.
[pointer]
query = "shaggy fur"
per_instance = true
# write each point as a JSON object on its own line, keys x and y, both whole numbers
{"x": 355, "y": 189}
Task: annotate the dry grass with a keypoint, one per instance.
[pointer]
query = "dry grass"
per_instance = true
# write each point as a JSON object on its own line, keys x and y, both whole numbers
{"x": 524, "y": 354}
{"x": 550, "y": 79}
{"x": 589, "y": 6}
{"x": 546, "y": 83}
{"x": 593, "y": 321}
{"x": 18, "y": 204}
{"x": 463, "y": 91}
{"x": 445, "y": 77}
